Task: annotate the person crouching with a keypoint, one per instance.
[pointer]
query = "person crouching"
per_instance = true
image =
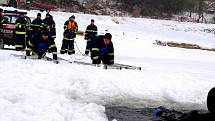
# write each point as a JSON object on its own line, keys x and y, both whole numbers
{"x": 102, "y": 49}
{"x": 39, "y": 46}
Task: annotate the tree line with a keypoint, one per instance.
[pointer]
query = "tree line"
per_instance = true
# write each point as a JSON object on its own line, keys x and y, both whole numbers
{"x": 167, "y": 7}
{"x": 138, "y": 7}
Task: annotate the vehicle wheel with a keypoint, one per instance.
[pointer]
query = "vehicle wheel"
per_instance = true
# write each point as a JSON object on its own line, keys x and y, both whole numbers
{"x": 1, "y": 44}
{"x": 12, "y": 3}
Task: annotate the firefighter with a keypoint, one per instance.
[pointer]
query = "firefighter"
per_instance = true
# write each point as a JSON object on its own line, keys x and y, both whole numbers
{"x": 36, "y": 26}
{"x": 49, "y": 24}
{"x": 20, "y": 32}
{"x": 28, "y": 4}
{"x": 39, "y": 46}
{"x": 102, "y": 49}
{"x": 90, "y": 33}
{"x": 53, "y": 29}
{"x": 70, "y": 30}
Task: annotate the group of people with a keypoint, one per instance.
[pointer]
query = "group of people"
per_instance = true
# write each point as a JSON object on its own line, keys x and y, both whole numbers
{"x": 41, "y": 38}
{"x": 100, "y": 46}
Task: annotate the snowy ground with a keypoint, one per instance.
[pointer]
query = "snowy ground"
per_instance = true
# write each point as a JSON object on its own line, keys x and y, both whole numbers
{"x": 37, "y": 90}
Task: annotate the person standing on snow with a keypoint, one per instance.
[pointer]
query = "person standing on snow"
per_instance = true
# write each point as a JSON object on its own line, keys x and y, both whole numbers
{"x": 70, "y": 30}
{"x": 90, "y": 33}
{"x": 41, "y": 45}
{"x": 49, "y": 24}
{"x": 20, "y": 33}
{"x": 36, "y": 26}
{"x": 102, "y": 49}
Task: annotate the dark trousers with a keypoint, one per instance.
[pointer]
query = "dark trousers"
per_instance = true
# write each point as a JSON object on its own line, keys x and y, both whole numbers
{"x": 67, "y": 47}
{"x": 41, "y": 54}
{"x": 88, "y": 47}
{"x": 20, "y": 41}
{"x": 105, "y": 59}
{"x": 68, "y": 43}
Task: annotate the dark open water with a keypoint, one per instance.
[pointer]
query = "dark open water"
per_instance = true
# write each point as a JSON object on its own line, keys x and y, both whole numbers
{"x": 129, "y": 114}
{"x": 121, "y": 113}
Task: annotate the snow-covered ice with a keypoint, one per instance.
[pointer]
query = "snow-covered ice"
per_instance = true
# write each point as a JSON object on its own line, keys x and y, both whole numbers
{"x": 37, "y": 90}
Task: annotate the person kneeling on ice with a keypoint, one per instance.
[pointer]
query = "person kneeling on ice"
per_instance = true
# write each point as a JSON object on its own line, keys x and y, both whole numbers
{"x": 102, "y": 49}
{"x": 39, "y": 46}
{"x": 172, "y": 115}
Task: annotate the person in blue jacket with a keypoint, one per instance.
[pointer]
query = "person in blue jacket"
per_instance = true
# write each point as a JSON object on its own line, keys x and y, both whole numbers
{"x": 39, "y": 46}
{"x": 102, "y": 49}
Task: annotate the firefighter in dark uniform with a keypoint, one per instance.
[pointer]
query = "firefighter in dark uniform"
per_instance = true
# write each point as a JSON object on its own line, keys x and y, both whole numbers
{"x": 20, "y": 32}
{"x": 28, "y": 4}
{"x": 49, "y": 24}
{"x": 36, "y": 26}
{"x": 53, "y": 29}
{"x": 90, "y": 33}
{"x": 102, "y": 49}
{"x": 39, "y": 46}
{"x": 70, "y": 30}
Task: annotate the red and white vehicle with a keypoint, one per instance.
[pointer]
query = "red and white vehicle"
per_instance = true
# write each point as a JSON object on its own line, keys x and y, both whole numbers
{"x": 7, "y": 32}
